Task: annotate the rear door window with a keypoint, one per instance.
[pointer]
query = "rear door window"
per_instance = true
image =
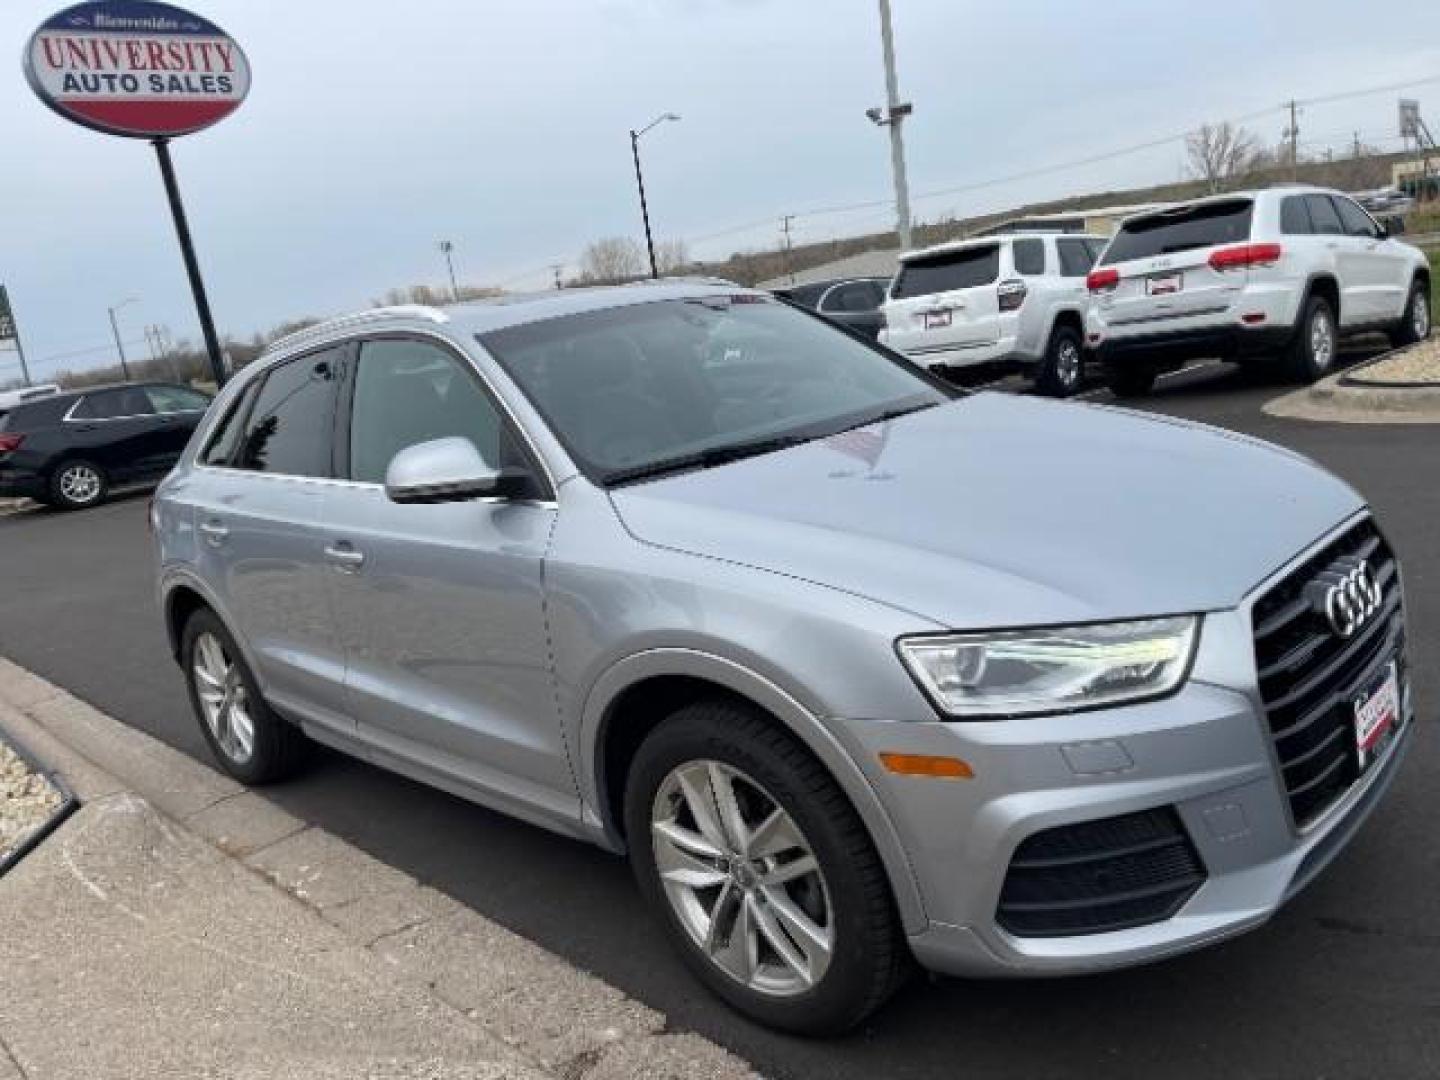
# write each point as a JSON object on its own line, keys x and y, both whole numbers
{"x": 1294, "y": 217}
{"x": 113, "y": 405}
{"x": 963, "y": 269}
{"x": 1185, "y": 228}
{"x": 226, "y": 440}
{"x": 1076, "y": 257}
{"x": 1029, "y": 256}
{"x": 1356, "y": 221}
{"x": 291, "y": 427}
{"x": 1323, "y": 218}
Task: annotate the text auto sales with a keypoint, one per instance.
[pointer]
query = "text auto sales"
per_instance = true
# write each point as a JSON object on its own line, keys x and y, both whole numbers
{"x": 93, "y": 65}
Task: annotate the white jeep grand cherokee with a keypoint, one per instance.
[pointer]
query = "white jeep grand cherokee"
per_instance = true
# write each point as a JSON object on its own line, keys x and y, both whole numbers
{"x": 1285, "y": 271}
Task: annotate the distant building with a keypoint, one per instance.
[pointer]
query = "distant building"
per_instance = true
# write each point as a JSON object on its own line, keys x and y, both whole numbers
{"x": 881, "y": 263}
{"x": 1097, "y": 220}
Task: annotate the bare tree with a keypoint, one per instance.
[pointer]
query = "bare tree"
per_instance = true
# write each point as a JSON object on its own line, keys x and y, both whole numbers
{"x": 672, "y": 256}
{"x": 615, "y": 258}
{"x": 1219, "y": 153}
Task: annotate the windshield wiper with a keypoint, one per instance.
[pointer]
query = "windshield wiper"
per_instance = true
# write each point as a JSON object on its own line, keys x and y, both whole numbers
{"x": 705, "y": 459}
{"x": 892, "y": 413}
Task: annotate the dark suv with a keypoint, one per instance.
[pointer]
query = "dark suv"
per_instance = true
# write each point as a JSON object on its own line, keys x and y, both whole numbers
{"x": 69, "y": 449}
{"x": 852, "y": 302}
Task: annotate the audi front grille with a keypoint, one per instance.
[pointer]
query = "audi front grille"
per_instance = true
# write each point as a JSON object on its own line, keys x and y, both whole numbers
{"x": 1310, "y": 675}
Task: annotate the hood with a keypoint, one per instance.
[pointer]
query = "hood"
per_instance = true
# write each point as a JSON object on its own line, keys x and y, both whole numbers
{"x": 997, "y": 510}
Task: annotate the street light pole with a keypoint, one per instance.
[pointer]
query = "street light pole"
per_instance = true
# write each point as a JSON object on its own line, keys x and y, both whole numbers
{"x": 640, "y": 184}
{"x": 115, "y": 329}
{"x": 447, "y": 248}
{"x": 894, "y": 118}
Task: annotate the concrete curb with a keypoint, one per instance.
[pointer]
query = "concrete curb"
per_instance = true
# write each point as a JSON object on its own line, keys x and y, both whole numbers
{"x": 565, "y": 1022}
{"x": 1340, "y": 399}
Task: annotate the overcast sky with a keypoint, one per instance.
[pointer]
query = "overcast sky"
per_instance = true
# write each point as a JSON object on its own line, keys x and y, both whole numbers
{"x": 374, "y": 130}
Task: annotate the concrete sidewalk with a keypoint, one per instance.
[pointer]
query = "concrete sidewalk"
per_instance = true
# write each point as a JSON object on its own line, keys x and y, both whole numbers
{"x": 180, "y": 926}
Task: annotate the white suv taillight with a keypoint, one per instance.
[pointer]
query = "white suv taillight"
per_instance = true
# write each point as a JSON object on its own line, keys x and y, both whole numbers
{"x": 1243, "y": 255}
{"x": 1012, "y": 294}
{"x": 1106, "y": 278}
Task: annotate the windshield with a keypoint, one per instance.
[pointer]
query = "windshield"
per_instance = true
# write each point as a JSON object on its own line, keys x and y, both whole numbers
{"x": 637, "y": 391}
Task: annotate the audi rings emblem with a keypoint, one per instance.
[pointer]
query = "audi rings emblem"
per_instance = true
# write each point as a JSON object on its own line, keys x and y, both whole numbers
{"x": 1350, "y": 596}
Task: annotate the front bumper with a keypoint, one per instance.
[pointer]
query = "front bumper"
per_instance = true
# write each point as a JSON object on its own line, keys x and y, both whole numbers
{"x": 1206, "y": 752}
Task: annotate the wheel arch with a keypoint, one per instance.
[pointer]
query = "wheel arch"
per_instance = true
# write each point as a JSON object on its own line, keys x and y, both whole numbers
{"x": 1325, "y": 285}
{"x": 1071, "y": 318}
{"x": 636, "y": 694}
{"x": 181, "y": 595}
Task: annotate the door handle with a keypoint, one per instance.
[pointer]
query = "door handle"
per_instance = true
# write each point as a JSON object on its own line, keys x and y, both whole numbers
{"x": 345, "y": 558}
{"x": 214, "y": 532}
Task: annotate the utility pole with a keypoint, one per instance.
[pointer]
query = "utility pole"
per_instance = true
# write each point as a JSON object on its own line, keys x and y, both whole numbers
{"x": 1294, "y": 136}
{"x": 785, "y": 249}
{"x": 120, "y": 345}
{"x": 894, "y": 118}
{"x": 1357, "y": 145}
{"x": 555, "y": 269}
{"x": 447, "y": 249}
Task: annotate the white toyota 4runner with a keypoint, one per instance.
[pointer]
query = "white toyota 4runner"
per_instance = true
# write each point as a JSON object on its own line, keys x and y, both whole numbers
{"x": 1017, "y": 298}
{"x": 1283, "y": 272}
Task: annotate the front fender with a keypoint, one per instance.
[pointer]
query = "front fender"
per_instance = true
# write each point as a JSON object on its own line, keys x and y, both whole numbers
{"x": 799, "y": 720}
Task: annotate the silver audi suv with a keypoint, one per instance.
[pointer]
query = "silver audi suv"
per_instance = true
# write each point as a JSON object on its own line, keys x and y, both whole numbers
{"x": 684, "y": 571}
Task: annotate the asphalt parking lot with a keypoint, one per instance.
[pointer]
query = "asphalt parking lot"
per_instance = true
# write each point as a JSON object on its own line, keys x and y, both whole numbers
{"x": 1344, "y": 982}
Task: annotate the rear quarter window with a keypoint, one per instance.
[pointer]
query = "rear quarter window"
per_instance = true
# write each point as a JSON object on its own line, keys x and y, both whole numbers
{"x": 1029, "y": 257}
{"x": 1184, "y": 228}
{"x": 963, "y": 269}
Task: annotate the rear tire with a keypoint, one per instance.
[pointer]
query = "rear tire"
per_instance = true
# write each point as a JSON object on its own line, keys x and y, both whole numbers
{"x": 737, "y": 910}
{"x": 1063, "y": 370}
{"x": 1311, "y": 355}
{"x": 1131, "y": 382}
{"x": 1415, "y": 323}
{"x": 77, "y": 485}
{"x": 252, "y": 742}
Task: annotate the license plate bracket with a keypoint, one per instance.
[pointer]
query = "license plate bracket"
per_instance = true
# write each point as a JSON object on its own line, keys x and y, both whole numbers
{"x": 1377, "y": 715}
{"x": 1165, "y": 284}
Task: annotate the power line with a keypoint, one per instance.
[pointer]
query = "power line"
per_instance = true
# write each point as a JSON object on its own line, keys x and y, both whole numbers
{"x": 1093, "y": 159}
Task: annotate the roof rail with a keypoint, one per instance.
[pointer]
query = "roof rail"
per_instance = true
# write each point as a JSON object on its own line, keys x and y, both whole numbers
{"x": 359, "y": 318}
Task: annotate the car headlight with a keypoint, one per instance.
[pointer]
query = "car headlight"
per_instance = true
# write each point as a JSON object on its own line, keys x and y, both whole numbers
{"x": 1052, "y": 669}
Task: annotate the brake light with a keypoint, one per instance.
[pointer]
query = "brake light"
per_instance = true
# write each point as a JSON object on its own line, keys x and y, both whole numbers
{"x": 10, "y": 443}
{"x": 1105, "y": 278}
{"x": 1234, "y": 258}
{"x": 1012, "y": 294}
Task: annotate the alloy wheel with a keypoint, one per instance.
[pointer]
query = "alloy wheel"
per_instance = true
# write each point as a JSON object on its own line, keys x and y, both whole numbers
{"x": 1420, "y": 315}
{"x": 223, "y": 699}
{"x": 1322, "y": 340}
{"x": 80, "y": 484}
{"x": 742, "y": 878}
{"x": 1067, "y": 364}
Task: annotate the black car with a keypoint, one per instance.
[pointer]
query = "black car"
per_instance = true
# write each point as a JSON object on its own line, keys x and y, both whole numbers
{"x": 71, "y": 448}
{"x": 852, "y": 302}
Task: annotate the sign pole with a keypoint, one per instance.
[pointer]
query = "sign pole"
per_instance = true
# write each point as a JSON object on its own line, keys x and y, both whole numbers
{"x": 192, "y": 267}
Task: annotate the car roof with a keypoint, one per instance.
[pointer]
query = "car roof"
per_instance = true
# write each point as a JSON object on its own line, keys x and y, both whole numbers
{"x": 484, "y": 316}
{"x": 1001, "y": 238}
{"x": 81, "y": 391}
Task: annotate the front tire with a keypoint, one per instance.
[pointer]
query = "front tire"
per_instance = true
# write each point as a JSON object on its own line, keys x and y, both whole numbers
{"x": 1312, "y": 352}
{"x": 1063, "y": 369}
{"x": 1415, "y": 323}
{"x": 761, "y": 871}
{"x": 78, "y": 484}
{"x": 252, "y": 743}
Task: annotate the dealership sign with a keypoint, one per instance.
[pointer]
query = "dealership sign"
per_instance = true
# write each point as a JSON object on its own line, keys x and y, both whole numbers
{"x": 137, "y": 68}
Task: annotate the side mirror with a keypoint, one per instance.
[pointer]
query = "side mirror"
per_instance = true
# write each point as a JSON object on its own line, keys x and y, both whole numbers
{"x": 449, "y": 470}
